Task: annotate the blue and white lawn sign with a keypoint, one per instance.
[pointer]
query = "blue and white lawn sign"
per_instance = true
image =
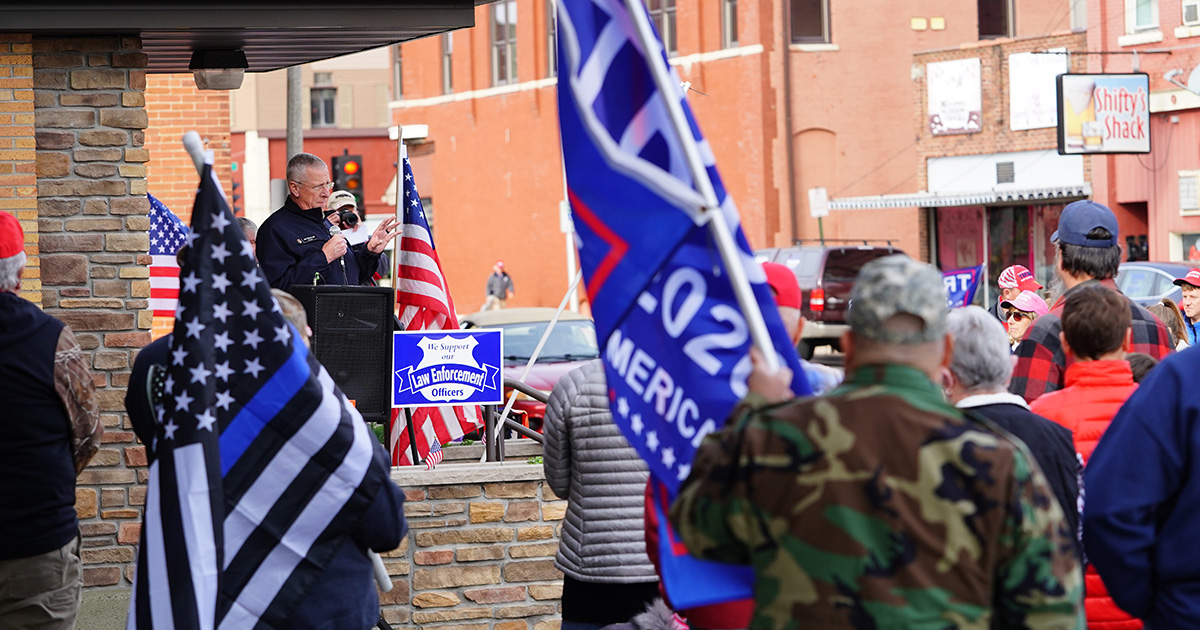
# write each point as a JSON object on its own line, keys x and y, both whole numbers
{"x": 459, "y": 367}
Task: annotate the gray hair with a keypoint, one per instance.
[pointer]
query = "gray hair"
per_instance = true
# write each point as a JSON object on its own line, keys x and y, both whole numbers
{"x": 247, "y": 225}
{"x": 10, "y": 272}
{"x": 982, "y": 360}
{"x": 300, "y": 163}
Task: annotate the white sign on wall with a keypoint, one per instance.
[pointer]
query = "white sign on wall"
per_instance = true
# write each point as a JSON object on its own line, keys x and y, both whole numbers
{"x": 1032, "y": 89}
{"x": 954, "y": 97}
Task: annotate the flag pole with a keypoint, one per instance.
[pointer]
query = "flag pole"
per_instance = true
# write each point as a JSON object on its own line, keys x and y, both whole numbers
{"x": 717, "y": 223}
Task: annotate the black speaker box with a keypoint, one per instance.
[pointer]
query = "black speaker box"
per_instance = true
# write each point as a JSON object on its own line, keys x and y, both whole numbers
{"x": 352, "y": 338}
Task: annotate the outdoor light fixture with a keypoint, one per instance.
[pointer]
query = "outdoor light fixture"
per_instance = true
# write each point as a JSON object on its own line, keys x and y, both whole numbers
{"x": 218, "y": 69}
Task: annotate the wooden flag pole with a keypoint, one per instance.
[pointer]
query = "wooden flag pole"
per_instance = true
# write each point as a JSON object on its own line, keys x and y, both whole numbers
{"x": 718, "y": 223}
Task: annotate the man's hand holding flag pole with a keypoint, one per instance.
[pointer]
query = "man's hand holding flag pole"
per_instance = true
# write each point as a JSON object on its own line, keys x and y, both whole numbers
{"x": 677, "y": 297}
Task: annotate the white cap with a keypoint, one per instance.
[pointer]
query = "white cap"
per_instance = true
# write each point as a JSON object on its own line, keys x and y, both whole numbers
{"x": 341, "y": 199}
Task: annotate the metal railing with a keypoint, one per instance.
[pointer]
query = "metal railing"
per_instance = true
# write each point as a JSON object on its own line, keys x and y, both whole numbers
{"x": 494, "y": 449}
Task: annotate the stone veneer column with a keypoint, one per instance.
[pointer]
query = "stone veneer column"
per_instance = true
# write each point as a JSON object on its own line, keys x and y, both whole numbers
{"x": 92, "y": 211}
{"x": 18, "y": 194}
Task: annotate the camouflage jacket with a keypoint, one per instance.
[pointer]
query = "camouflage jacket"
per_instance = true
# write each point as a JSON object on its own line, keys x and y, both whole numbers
{"x": 882, "y": 506}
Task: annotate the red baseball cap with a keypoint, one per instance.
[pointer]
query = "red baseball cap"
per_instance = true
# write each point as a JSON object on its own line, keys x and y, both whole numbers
{"x": 1192, "y": 278}
{"x": 1018, "y": 277}
{"x": 12, "y": 237}
{"x": 783, "y": 282}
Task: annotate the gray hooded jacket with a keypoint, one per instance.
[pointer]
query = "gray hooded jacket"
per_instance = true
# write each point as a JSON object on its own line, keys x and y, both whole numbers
{"x": 589, "y": 463}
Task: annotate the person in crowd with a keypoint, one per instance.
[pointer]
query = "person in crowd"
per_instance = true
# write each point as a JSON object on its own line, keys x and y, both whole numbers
{"x": 1189, "y": 284}
{"x": 869, "y": 506}
{"x": 250, "y": 230}
{"x": 344, "y": 595}
{"x": 607, "y": 577}
{"x": 1012, "y": 282}
{"x": 49, "y": 431}
{"x": 297, "y": 246}
{"x": 340, "y": 202}
{"x": 499, "y": 288}
{"x": 1020, "y": 313}
{"x": 1139, "y": 522}
{"x": 353, "y": 228}
{"x": 1096, "y": 335}
{"x": 1172, "y": 316}
{"x": 1140, "y": 365}
{"x": 786, "y": 289}
{"x": 1088, "y": 252}
{"x": 977, "y": 380}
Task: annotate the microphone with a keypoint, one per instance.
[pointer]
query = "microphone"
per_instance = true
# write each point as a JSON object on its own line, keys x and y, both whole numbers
{"x": 337, "y": 231}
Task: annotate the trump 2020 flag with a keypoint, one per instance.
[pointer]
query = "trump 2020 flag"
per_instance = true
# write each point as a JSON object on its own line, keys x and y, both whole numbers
{"x": 674, "y": 342}
{"x": 261, "y": 464}
{"x": 961, "y": 285}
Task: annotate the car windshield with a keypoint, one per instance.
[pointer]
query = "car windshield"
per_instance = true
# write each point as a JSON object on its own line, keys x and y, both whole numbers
{"x": 569, "y": 341}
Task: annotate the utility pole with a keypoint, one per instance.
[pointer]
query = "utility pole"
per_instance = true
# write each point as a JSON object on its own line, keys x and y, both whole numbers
{"x": 295, "y": 129}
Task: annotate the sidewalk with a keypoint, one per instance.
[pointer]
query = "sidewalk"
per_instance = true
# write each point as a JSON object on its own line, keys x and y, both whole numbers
{"x": 103, "y": 610}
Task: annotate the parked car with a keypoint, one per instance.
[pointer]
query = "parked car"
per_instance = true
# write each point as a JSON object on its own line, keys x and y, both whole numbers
{"x": 1148, "y": 282}
{"x": 826, "y": 272}
{"x": 571, "y": 343}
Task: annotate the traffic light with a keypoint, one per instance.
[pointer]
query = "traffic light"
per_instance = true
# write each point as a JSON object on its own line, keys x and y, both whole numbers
{"x": 347, "y": 175}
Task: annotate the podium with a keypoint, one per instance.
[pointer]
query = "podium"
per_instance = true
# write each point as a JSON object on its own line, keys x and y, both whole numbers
{"x": 352, "y": 337}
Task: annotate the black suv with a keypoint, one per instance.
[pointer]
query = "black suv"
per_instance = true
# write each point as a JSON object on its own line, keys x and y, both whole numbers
{"x": 826, "y": 272}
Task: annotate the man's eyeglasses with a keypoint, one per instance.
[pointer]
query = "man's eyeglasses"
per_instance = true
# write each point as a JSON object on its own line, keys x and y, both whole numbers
{"x": 1018, "y": 316}
{"x": 316, "y": 187}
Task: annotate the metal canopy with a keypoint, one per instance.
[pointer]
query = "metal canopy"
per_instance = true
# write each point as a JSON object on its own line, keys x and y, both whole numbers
{"x": 273, "y": 35}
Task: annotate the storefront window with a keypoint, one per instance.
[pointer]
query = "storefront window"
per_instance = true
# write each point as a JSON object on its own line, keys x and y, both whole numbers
{"x": 1008, "y": 239}
{"x": 1045, "y": 221}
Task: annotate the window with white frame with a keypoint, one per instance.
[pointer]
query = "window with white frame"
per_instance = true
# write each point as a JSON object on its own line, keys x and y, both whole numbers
{"x": 729, "y": 24}
{"x": 662, "y": 13}
{"x": 1191, "y": 12}
{"x": 1141, "y": 15}
{"x": 504, "y": 42}
{"x": 447, "y": 63}
{"x": 1189, "y": 192}
{"x": 324, "y": 107}
{"x": 397, "y": 74}
{"x": 810, "y": 22}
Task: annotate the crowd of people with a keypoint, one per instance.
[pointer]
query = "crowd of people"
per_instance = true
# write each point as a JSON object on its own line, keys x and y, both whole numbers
{"x": 1023, "y": 467}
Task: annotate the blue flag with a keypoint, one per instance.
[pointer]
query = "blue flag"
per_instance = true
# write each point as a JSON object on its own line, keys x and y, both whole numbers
{"x": 674, "y": 342}
{"x": 961, "y": 285}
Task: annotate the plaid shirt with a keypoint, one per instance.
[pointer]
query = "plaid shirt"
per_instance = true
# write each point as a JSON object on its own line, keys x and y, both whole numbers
{"x": 1041, "y": 362}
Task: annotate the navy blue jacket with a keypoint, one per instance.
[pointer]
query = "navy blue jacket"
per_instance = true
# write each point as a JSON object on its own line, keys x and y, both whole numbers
{"x": 1050, "y": 444}
{"x": 289, "y": 251}
{"x": 1143, "y": 498}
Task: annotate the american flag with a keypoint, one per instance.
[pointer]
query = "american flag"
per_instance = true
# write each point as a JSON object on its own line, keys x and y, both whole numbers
{"x": 167, "y": 235}
{"x": 262, "y": 465}
{"x": 435, "y": 456}
{"x": 425, "y": 304}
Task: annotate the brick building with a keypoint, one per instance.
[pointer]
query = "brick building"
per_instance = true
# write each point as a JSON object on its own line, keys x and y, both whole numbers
{"x": 994, "y": 195}
{"x": 791, "y": 96}
{"x": 1157, "y": 190}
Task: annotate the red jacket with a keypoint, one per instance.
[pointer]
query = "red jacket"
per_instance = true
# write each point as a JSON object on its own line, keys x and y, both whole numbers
{"x": 1093, "y": 392}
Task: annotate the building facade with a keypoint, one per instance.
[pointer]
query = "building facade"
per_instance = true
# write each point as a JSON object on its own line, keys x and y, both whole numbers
{"x": 1158, "y": 188}
{"x": 792, "y": 95}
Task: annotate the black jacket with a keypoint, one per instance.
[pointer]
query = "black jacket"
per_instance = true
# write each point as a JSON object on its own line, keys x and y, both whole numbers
{"x": 289, "y": 251}
{"x": 1051, "y": 445}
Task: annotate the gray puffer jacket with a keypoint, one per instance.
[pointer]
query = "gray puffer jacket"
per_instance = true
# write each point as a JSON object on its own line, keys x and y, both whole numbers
{"x": 589, "y": 463}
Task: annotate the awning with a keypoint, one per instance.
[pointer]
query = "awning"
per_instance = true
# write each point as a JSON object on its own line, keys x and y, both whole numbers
{"x": 982, "y": 198}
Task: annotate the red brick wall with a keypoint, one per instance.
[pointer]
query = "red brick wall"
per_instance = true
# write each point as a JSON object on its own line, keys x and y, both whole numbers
{"x": 996, "y": 136}
{"x": 175, "y": 106}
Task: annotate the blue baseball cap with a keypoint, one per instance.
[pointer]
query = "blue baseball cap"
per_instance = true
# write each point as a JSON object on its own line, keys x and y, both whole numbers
{"x": 1081, "y": 217}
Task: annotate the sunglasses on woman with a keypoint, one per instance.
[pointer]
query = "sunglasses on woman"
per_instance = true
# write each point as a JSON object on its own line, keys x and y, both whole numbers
{"x": 1018, "y": 316}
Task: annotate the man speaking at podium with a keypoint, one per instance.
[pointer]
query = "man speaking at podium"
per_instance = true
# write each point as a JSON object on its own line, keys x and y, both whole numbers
{"x": 297, "y": 245}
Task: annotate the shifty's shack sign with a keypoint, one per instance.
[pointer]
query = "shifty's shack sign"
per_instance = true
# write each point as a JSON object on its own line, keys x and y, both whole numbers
{"x": 1103, "y": 113}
